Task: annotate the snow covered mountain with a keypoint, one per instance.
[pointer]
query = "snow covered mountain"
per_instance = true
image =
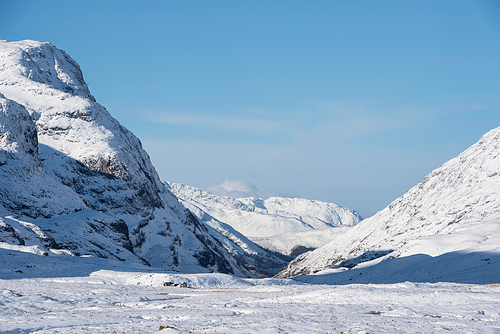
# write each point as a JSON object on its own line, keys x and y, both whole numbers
{"x": 296, "y": 243}
{"x": 452, "y": 214}
{"x": 282, "y": 225}
{"x": 73, "y": 179}
{"x": 254, "y": 258}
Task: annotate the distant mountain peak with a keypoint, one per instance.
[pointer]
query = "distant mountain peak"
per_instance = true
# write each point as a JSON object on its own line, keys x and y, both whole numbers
{"x": 279, "y": 224}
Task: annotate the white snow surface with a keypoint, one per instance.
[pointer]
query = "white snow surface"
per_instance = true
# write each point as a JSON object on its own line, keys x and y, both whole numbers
{"x": 427, "y": 222}
{"x": 23, "y": 181}
{"x": 54, "y": 294}
{"x": 72, "y": 178}
{"x": 266, "y": 222}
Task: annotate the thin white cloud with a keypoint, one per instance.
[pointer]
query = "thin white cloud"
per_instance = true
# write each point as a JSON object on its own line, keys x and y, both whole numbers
{"x": 217, "y": 123}
{"x": 358, "y": 127}
{"x": 235, "y": 189}
{"x": 348, "y": 119}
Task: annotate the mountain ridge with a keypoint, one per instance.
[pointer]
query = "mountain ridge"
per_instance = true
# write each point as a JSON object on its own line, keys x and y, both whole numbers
{"x": 265, "y": 221}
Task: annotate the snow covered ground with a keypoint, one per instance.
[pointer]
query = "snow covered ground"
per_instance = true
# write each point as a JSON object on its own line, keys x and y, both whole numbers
{"x": 56, "y": 294}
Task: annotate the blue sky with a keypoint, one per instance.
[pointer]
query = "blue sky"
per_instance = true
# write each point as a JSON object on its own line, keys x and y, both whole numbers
{"x": 351, "y": 102}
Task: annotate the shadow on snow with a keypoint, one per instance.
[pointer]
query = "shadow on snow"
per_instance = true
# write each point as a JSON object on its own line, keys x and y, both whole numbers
{"x": 15, "y": 264}
{"x": 453, "y": 267}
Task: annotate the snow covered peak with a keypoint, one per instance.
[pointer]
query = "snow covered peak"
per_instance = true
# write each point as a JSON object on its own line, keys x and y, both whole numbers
{"x": 286, "y": 226}
{"x": 77, "y": 136}
{"x": 29, "y": 61}
{"x": 464, "y": 189}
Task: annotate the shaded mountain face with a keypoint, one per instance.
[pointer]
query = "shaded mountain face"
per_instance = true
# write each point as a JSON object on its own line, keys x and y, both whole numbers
{"x": 285, "y": 226}
{"x": 255, "y": 259}
{"x": 73, "y": 176}
{"x": 464, "y": 192}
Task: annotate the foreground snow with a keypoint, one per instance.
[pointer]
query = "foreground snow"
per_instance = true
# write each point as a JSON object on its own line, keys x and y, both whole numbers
{"x": 37, "y": 295}
{"x": 117, "y": 302}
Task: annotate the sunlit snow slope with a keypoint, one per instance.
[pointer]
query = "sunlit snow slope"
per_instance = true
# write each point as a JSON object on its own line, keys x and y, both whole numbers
{"x": 73, "y": 178}
{"x": 282, "y": 225}
{"x": 452, "y": 213}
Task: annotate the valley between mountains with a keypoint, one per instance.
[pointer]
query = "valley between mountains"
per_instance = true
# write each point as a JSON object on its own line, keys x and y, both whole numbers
{"x": 92, "y": 241}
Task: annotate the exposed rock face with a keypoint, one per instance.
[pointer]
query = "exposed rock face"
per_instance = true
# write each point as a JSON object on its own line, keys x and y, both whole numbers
{"x": 72, "y": 171}
{"x": 465, "y": 190}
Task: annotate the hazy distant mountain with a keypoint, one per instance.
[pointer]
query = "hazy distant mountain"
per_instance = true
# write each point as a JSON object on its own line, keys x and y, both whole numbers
{"x": 446, "y": 226}
{"x": 284, "y": 225}
{"x": 72, "y": 178}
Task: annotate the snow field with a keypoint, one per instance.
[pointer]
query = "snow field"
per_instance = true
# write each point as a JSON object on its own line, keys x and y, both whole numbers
{"x": 137, "y": 302}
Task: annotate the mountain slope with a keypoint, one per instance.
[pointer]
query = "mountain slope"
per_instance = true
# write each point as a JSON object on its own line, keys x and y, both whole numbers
{"x": 257, "y": 260}
{"x": 464, "y": 191}
{"x": 265, "y": 221}
{"x": 71, "y": 172}
{"x": 295, "y": 243}
{"x": 25, "y": 186}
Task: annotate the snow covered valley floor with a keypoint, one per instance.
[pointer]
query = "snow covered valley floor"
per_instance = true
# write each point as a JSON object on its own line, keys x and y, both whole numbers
{"x": 64, "y": 295}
